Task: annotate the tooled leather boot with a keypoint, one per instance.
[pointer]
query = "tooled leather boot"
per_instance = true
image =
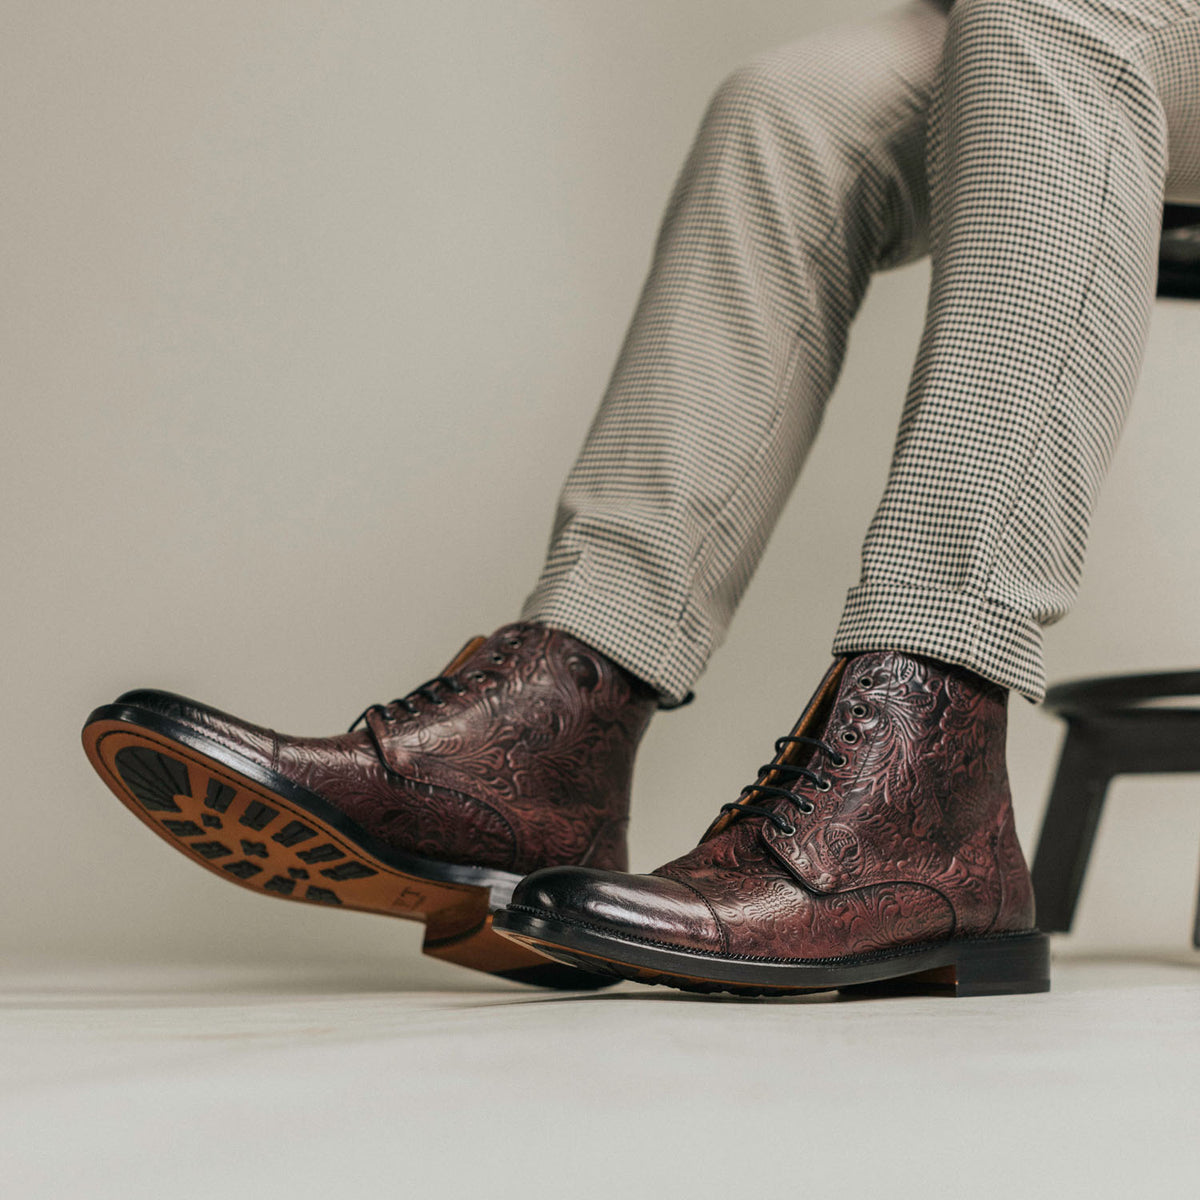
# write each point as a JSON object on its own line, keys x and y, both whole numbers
{"x": 876, "y": 849}
{"x": 518, "y": 756}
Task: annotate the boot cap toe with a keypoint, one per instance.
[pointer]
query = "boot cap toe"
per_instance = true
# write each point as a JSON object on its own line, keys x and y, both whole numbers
{"x": 647, "y": 907}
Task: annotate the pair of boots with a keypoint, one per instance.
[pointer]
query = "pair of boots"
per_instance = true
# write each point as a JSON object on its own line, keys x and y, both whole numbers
{"x": 875, "y": 849}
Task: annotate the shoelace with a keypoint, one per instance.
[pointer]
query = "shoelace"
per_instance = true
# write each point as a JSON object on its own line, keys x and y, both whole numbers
{"x": 759, "y": 790}
{"x": 428, "y": 690}
{"x": 453, "y": 684}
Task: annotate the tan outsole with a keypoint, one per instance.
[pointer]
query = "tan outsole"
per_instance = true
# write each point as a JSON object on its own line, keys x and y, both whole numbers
{"x": 249, "y": 835}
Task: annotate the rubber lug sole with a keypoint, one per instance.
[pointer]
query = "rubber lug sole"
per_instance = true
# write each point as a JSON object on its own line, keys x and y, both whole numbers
{"x": 257, "y": 829}
{"x": 1002, "y": 964}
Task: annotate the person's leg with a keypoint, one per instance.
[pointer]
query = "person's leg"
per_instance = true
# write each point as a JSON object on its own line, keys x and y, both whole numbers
{"x": 519, "y": 755}
{"x": 880, "y": 843}
{"x": 806, "y": 175}
{"x": 1048, "y": 148}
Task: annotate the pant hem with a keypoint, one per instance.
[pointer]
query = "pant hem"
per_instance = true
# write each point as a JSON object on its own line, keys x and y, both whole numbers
{"x": 655, "y": 649}
{"x": 996, "y": 642}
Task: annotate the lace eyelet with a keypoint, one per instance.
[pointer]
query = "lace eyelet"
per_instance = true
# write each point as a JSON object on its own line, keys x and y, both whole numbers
{"x": 477, "y": 676}
{"x": 860, "y": 710}
{"x": 497, "y": 658}
{"x": 808, "y": 807}
{"x": 865, "y": 681}
{"x": 849, "y": 735}
{"x": 824, "y": 785}
{"x": 787, "y": 830}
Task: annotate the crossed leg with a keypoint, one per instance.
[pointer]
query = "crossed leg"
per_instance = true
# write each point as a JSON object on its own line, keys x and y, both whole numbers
{"x": 1025, "y": 146}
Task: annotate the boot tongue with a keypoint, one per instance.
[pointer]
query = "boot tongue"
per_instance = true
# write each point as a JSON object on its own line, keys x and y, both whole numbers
{"x": 389, "y": 738}
{"x": 463, "y": 655}
{"x": 810, "y": 723}
{"x": 515, "y": 630}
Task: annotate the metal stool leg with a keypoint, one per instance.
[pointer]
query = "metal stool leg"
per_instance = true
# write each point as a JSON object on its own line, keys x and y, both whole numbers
{"x": 1069, "y": 828}
{"x": 1110, "y": 731}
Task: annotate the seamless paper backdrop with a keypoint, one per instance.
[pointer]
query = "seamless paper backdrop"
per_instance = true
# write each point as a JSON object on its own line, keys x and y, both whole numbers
{"x": 307, "y": 307}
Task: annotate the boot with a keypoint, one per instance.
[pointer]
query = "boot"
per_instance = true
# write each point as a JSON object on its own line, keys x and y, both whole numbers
{"x": 518, "y": 756}
{"x": 876, "y": 849}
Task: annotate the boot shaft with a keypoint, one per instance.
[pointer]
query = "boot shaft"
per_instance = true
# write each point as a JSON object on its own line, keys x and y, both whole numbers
{"x": 914, "y": 790}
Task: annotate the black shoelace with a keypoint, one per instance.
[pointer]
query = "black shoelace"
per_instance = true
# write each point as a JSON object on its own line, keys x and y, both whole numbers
{"x": 427, "y": 690}
{"x": 791, "y": 772}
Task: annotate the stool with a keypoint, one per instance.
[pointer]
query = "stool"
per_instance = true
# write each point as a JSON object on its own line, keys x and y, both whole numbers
{"x": 1179, "y": 252}
{"x": 1109, "y": 730}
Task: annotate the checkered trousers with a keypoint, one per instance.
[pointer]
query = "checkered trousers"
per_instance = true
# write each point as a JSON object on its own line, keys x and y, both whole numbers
{"x": 1027, "y": 146}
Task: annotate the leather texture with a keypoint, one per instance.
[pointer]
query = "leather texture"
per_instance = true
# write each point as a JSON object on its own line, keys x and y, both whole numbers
{"x": 529, "y": 765}
{"x": 905, "y": 835}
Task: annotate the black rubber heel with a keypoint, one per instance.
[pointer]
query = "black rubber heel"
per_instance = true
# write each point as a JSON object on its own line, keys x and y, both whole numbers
{"x": 1001, "y": 966}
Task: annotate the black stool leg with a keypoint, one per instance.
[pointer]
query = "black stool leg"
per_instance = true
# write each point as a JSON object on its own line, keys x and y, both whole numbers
{"x": 1069, "y": 828}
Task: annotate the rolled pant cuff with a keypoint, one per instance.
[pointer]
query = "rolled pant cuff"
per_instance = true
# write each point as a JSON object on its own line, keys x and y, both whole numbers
{"x": 996, "y": 642}
{"x": 666, "y": 654}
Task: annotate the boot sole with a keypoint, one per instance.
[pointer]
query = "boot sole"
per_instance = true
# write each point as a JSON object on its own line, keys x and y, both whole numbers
{"x": 253, "y": 827}
{"x": 1000, "y": 964}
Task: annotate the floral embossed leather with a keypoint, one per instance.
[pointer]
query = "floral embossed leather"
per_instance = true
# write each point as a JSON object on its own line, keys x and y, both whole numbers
{"x": 518, "y": 756}
{"x": 523, "y": 760}
{"x": 883, "y": 821}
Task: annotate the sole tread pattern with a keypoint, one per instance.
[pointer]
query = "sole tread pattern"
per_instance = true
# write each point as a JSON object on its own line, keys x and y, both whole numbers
{"x": 184, "y": 796}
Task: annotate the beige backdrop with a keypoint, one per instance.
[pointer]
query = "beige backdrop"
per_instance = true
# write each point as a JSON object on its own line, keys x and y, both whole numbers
{"x": 307, "y": 308}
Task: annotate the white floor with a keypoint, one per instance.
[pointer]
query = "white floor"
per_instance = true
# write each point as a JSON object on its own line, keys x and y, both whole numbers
{"x": 177, "y": 1083}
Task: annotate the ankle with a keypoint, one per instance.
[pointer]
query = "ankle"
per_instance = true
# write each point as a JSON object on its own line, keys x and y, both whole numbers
{"x": 641, "y": 690}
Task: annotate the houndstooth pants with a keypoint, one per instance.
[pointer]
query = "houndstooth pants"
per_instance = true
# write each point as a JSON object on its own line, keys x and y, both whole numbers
{"x": 1027, "y": 146}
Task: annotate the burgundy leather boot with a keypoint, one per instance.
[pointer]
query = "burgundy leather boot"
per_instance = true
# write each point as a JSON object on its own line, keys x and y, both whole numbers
{"x": 518, "y": 756}
{"x": 876, "y": 848}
